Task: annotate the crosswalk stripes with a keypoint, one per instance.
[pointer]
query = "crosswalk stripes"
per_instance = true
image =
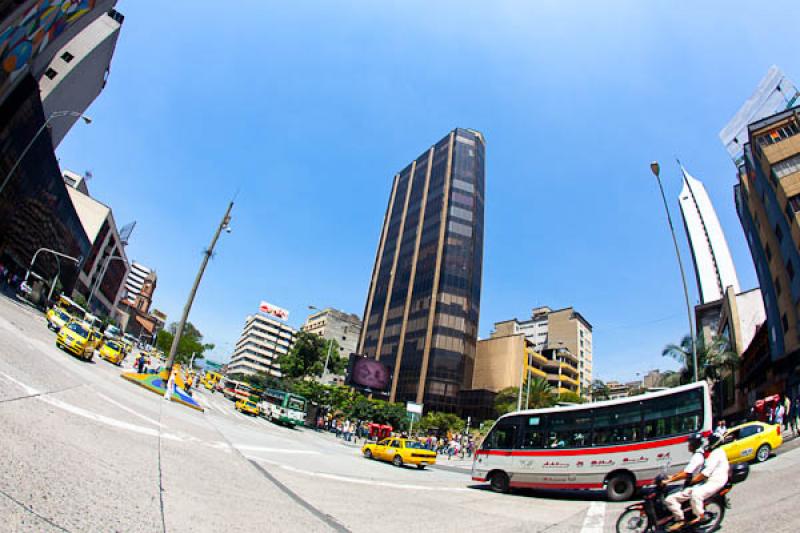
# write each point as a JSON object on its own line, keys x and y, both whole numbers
{"x": 595, "y": 518}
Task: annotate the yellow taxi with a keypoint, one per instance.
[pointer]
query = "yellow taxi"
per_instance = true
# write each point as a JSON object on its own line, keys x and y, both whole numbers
{"x": 248, "y": 407}
{"x": 399, "y": 452}
{"x": 112, "y": 351}
{"x": 753, "y": 441}
{"x": 57, "y": 318}
{"x": 78, "y": 338}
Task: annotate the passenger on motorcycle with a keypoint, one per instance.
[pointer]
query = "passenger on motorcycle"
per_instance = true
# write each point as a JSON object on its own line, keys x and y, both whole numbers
{"x": 704, "y": 483}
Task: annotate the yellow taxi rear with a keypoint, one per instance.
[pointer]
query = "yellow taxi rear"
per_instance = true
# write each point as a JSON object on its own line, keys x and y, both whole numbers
{"x": 113, "y": 352}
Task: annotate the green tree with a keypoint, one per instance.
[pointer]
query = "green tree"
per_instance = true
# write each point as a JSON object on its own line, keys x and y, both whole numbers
{"x": 442, "y": 422}
{"x": 570, "y": 397}
{"x": 713, "y": 358}
{"x": 538, "y": 393}
{"x": 307, "y": 357}
{"x": 191, "y": 343}
{"x": 80, "y": 300}
{"x": 506, "y": 400}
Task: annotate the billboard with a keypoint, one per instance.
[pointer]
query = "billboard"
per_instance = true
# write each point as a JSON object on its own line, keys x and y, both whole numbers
{"x": 274, "y": 310}
{"x": 368, "y": 373}
{"x": 775, "y": 93}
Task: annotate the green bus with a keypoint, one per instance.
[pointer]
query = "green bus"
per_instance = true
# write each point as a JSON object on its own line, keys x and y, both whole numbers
{"x": 283, "y": 407}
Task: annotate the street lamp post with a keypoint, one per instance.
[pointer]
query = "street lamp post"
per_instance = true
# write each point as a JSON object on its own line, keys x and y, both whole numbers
{"x": 223, "y": 225}
{"x": 55, "y": 114}
{"x": 655, "y": 168}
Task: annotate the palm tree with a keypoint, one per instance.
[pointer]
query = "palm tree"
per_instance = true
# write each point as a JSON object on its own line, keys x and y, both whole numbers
{"x": 713, "y": 358}
{"x": 541, "y": 394}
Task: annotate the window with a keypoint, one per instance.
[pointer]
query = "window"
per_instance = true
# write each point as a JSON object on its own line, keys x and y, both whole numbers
{"x": 50, "y": 73}
{"x": 673, "y": 415}
{"x": 787, "y": 166}
{"x": 67, "y": 57}
{"x": 503, "y": 436}
{"x": 617, "y": 424}
{"x": 570, "y": 430}
{"x": 533, "y": 434}
{"x": 793, "y": 204}
{"x": 749, "y": 431}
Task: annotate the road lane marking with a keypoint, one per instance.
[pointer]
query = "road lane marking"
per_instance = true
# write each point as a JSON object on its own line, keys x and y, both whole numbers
{"x": 128, "y": 409}
{"x": 250, "y": 448}
{"x": 595, "y": 518}
{"x": 358, "y": 481}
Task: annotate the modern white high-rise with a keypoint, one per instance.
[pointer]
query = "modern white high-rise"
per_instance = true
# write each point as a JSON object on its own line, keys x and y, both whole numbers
{"x": 136, "y": 276}
{"x": 713, "y": 264}
{"x": 263, "y": 340}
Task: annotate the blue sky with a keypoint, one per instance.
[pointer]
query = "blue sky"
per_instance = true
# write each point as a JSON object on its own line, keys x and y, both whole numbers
{"x": 309, "y": 108}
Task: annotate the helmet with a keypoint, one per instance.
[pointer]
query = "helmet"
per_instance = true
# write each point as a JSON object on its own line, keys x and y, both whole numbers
{"x": 714, "y": 441}
{"x": 696, "y": 440}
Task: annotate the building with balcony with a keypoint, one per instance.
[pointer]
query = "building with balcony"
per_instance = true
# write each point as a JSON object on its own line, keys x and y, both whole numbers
{"x": 264, "y": 339}
{"x": 423, "y": 302}
{"x": 768, "y": 203}
{"x": 564, "y": 329}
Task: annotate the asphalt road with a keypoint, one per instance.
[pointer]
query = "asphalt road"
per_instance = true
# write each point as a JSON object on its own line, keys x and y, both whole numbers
{"x": 83, "y": 450}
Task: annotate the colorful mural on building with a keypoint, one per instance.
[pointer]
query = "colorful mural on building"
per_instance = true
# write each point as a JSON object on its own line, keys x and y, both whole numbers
{"x": 34, "y": 31}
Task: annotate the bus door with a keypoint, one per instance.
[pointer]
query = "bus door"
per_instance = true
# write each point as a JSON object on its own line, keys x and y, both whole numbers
{"x": 533, "y": 437}
{"x": 495, "y": 452}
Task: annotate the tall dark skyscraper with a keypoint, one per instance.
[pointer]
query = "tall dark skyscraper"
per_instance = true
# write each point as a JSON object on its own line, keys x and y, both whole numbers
{"x": 421, "y": 316}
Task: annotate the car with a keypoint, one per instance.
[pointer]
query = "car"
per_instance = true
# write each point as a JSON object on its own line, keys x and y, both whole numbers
{"x": 112, "y": 351}
{"x": 57, "y": 318}
{"x": 400, "y": 451}
{"x": 248, "y": 407}
{"x": 79, "y": 339}
{"x": 753, "y": 441}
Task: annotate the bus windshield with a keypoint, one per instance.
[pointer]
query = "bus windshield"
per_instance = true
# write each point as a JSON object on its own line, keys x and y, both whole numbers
{"x": 296, "y": 403}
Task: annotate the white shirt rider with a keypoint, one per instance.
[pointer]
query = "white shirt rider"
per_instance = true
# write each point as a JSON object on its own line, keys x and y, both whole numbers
{"x": 716, "y": 468}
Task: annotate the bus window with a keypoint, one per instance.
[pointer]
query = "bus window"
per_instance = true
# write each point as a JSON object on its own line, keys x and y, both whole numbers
{"x": 673, "y": 415}
{"x": 533, "y": 433}
{"x": 569, "y": 429}
{"x": 503, "y": 436}
{"x": 617, "y": 424}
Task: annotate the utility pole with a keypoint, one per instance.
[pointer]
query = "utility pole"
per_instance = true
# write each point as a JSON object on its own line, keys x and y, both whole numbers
{"x": 223, "y": 225}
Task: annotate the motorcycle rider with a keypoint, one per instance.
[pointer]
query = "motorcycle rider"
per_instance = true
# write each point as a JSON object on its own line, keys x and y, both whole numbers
{"x": 704, "y": 484}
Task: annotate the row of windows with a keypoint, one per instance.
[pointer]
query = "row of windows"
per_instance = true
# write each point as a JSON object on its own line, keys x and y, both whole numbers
{"x": 778, "y": 134}
{"x": 625, "y": 423}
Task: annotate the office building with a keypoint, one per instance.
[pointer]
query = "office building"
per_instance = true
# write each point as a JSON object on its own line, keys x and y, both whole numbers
{"x": 564, "y": 329}
{"x": 102, "y": 276}
{"x": 137, "y": 275}
{"x": 332, "y": 324}
{"x": 421, "y": 314}
{"x": 713, "y": 264}
{"x": 133, "y": 310}
{"x": 768, "y": 202}
{"x": 79, "y": 71}
{"x": 264, "y": 339}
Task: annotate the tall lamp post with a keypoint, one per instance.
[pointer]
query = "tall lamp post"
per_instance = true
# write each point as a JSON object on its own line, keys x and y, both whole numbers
{"x": 223, "y": 225}
{"x": 655, "y": 168}
{"x": 54, "y": 115}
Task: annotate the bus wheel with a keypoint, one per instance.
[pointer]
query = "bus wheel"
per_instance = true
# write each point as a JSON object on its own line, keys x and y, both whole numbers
{"x": 499, "y": 482}
{"x": 620, "y": 487}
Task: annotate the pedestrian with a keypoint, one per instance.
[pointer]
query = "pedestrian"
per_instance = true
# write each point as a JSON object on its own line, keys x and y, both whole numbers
{"x": 778, "y": 416}
{"x": 787, "y": 409}
{"x": 170, "y": 386}
{"x": 721, "y": 429}
{"x": 796, "y": 414}
{"x": 140, "y": 364}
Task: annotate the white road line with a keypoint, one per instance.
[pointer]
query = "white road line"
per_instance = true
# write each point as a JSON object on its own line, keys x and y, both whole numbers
{"x": 273, "y": 450}
{"x": 595, "y": 518}
{"x": 128, "y": 409}
{"x": 359, "y": 481}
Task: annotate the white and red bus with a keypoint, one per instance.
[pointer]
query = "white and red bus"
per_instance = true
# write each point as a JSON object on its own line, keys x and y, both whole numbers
{"x": 236, "y": 390}
{"x": 614, "y": 445}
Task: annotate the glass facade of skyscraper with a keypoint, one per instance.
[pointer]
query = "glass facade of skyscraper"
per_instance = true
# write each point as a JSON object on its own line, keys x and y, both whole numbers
{"x": 421, "y": 316}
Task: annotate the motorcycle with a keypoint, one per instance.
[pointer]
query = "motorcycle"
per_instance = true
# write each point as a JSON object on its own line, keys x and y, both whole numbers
{"x": 652, "y": 516}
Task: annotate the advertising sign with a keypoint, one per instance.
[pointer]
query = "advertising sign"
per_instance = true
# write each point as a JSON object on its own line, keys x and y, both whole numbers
{"x": 274, "y": 310}
{"x": 368, "y": 373}
{"x": 414, "y": 408}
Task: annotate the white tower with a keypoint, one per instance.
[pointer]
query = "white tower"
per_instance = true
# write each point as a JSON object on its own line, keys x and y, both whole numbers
{"x": 713, "y": 264}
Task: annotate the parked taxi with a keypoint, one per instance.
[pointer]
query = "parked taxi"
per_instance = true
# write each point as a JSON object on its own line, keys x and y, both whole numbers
{"x": 112, "y": 351}
{"x": 399, "y": 452}
{"x": 57, "y": 318}
{"x": 753, "y": 441}
{"x": 79, "y": 339}
{"x": 248, "y": 407}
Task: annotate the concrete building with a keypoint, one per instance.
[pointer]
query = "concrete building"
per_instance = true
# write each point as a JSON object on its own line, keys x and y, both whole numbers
{"x": 423, "y": 303}
{"x": 550, "y": 330}
{"x": 101, "y": 279}
{"x": 713, "y": 264}
{"x": 79, "y": 71}
{"x": 137, "y": 275}
{"x": 263, "y": 340}
{"x": 768, "y": 202}
{"x": 332, "y": 324}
